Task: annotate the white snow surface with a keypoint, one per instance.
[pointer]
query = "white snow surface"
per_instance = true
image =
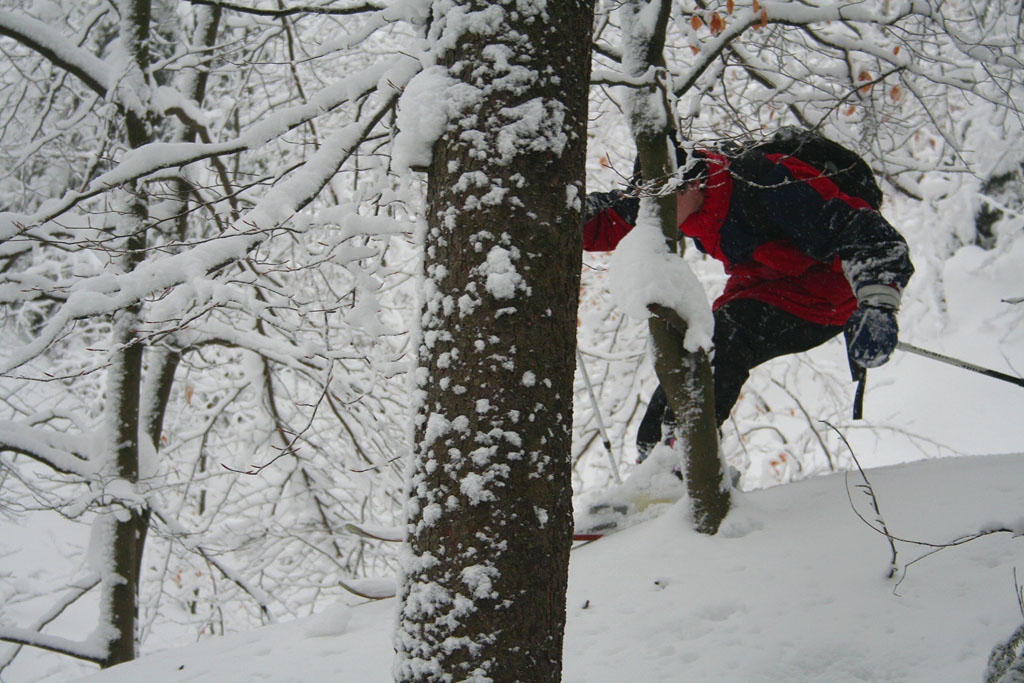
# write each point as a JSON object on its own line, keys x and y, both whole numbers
{"x": 793, "y": 588}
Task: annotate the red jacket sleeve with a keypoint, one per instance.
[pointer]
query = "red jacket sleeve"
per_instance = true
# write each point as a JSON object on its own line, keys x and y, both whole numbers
{"x": 604, "y": 230}
{"x": 608, "y": 217}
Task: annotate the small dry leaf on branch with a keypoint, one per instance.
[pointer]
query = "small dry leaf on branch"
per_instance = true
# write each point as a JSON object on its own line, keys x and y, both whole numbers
{"x": 865, "y": 77}
{"x": 764, "y": 19}
{"x": 717, "y": 24}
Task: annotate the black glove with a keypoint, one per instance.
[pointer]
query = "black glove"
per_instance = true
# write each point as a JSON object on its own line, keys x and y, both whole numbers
{"x": 871, "y": 335}
{"x": 626, "y": 204}
{"x": 596, "y": 202}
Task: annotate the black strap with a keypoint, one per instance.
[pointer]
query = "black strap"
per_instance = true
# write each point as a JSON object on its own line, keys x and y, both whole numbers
{"x": 860, "y": 375}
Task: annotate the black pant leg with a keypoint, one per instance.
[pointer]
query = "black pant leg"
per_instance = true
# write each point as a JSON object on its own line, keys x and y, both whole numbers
{"x": 649, "y": 433}
{"x": 747, "y": 333}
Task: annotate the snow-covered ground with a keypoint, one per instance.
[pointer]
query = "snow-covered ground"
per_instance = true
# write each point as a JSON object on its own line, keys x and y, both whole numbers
{"x": 793, "y": 588}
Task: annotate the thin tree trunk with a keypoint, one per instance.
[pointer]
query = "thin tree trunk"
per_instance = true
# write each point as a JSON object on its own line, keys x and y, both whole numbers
{"x": 685, "y": 374}
{"x": 125, "y": 523}
{"x": 127, "y": 520}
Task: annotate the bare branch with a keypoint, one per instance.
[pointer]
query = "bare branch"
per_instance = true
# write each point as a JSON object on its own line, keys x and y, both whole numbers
{"x": 292, "y": 11}
{"x": 874, "y": 504}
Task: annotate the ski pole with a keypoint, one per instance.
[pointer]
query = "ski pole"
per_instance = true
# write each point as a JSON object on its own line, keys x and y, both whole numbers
{"x": 995, "y": 374}
{"x": 597, "y": 414}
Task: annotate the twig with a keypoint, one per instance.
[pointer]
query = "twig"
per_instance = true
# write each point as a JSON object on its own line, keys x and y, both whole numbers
{"x": 934, "y": 547}
{"x": 289, "y": 11}
{"x": 375, "y": 467}
{"x": 874, "y": 502}
{"x": 1020, "y": 592}
{"x": 810, "y": 422}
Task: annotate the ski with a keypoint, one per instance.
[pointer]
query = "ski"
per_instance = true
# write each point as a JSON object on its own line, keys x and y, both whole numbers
{"x": 652, "y": 487}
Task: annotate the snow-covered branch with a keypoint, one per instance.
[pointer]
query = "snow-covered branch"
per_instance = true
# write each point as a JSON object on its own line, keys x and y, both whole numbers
{"x": 54, "y": 46}
{"x": 73, "y": 593}
{"x": 62, "y": 452}
{"x": 89, "y": 650}
{"x": 199, "y": 260}
{"x": 825, "y": 25}
{"x": 388, "y": 78}
{"x": 96, "y": 298}
{"x": 183, "y": 536}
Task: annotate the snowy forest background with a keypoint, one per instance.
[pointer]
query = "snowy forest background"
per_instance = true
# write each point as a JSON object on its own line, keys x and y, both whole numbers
{"x": 210, "y": 211}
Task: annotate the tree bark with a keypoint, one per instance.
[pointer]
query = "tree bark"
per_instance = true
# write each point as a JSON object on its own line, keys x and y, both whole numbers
{"x": 489, "y": 515}
{"x": 125, "y": 523}
{"x": 128, "y": 520}
{"x": 684, "y": 374}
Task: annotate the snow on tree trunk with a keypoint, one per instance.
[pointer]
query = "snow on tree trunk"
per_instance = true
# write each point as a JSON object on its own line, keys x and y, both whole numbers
{"x": 489, "y": 510}
{"x": 684, "y": 373}
{"x": 126, "y": 521}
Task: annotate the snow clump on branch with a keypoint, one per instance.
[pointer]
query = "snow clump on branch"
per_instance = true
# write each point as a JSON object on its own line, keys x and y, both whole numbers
{"x": 643, "y": 271}
{"x": 428, "y": 102}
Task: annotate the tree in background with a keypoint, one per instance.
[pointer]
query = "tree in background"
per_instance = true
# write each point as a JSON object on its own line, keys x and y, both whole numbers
{"x": 1001, "y": 200}
{"x": 177, "y": 316}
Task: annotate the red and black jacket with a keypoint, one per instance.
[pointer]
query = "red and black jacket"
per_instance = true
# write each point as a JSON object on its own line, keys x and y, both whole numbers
{"x": 786, "y": 234}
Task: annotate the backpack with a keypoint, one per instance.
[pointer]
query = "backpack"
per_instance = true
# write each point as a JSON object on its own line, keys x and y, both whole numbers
{"x": 841, "y": 165}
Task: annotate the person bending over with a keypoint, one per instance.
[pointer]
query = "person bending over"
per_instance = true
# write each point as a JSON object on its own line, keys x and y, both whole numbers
{"x": 804, "y": 259}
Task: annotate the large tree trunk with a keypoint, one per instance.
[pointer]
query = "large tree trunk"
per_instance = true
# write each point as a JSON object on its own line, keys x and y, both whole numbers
{"x": 489, "y": 516}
